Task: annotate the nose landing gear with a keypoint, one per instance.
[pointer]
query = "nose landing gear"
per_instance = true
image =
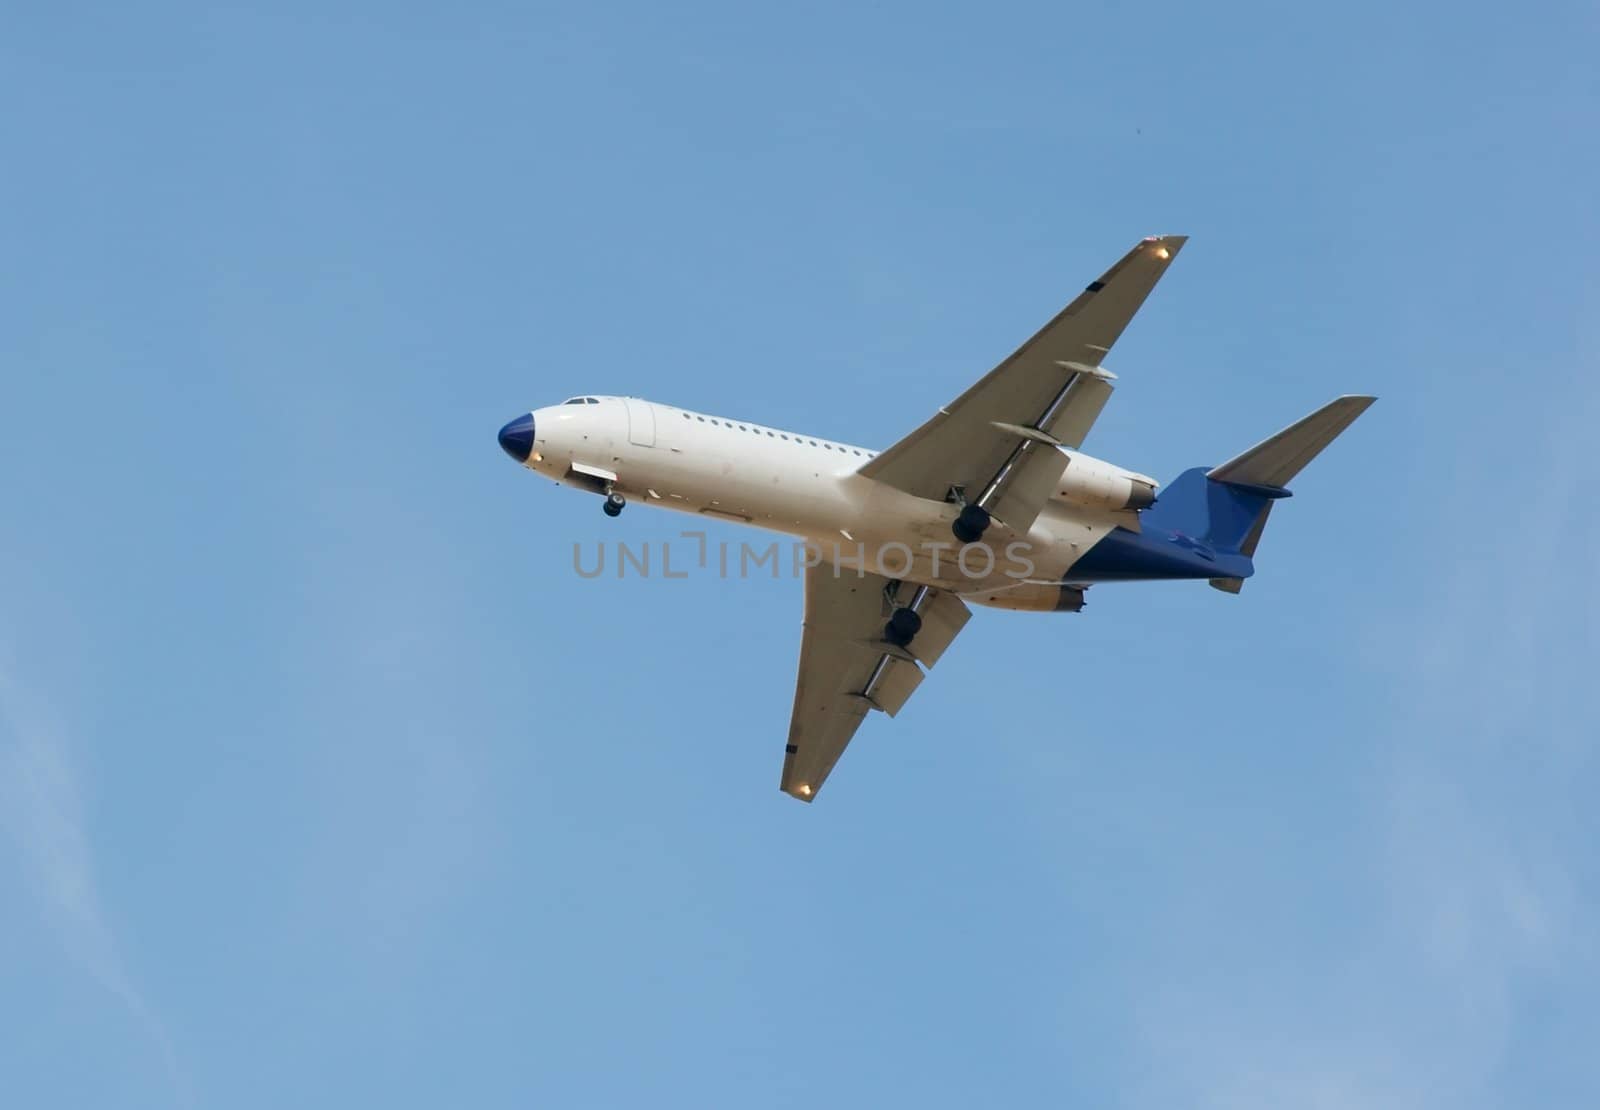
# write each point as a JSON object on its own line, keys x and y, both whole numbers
{"x": 614, "y": 504}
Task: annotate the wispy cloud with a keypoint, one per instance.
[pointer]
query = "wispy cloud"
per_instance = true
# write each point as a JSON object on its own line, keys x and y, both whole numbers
{"x": 42, "y": 812}
{"x": 1470, "y": 907}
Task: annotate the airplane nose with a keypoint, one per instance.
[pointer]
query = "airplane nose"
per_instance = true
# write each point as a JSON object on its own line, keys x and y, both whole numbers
{"x": 516, "y": 438}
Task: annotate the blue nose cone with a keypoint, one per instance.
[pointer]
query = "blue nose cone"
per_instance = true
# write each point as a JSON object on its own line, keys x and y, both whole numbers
{"x": 516, "y": 438}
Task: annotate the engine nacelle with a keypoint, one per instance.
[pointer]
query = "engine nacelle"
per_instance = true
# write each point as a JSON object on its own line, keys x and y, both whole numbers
{"x": 1097, "y": 484}
{"x": 1031, "y": 597}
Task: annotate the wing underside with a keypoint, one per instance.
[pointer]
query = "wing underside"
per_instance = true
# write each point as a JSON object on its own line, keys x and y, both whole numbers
{"x": 996, "y": 446}
{"x": 1006, "y": 429}
{"x": 848, "y": 669}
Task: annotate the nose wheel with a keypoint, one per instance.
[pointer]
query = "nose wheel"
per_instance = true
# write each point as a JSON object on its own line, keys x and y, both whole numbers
{"x": 614, "y": 504}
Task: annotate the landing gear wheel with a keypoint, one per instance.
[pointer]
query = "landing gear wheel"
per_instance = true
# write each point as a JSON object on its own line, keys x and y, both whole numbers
{"x": 969, "y": 526}
{"x": 903, "y": 626}
{"x": 614, "y": 504}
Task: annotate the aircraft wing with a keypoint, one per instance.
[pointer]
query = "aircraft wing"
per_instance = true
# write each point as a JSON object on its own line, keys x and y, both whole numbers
{"x": 1044, "y": 396}
{"x": 847, "y": 668}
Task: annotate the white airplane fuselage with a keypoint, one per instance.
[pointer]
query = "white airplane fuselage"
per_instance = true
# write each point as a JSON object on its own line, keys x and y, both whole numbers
{"x": 807, "y": 487}
{"x": 986, "y": 502}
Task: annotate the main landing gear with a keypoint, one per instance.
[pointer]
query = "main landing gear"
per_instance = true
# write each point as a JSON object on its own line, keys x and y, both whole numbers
{"x": 903, "y": 626}
{"x": 970, "y": 524}
{"x": 614, "y": 504}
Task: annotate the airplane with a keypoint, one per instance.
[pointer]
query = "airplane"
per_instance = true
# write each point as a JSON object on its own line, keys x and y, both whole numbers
{"x": 990, "y": 502}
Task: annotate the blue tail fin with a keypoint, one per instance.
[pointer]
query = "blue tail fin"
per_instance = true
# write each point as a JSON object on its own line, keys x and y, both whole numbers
{"x": 1226, "y": 508}
{"x": 1221, "y": 515}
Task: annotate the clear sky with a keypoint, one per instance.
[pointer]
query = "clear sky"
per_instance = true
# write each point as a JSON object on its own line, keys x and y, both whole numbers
{"x": 325, "y": 782}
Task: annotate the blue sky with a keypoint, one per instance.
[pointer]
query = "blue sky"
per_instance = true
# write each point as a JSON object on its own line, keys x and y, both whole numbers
{"x": 324, "y": 781}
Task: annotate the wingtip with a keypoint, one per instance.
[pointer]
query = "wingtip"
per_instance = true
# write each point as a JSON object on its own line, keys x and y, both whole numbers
{"x": 800, "y": 792}
{"x": 1166, "y": 247}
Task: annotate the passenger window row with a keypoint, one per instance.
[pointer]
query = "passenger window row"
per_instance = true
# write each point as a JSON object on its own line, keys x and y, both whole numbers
{"x": 731, "y": 426}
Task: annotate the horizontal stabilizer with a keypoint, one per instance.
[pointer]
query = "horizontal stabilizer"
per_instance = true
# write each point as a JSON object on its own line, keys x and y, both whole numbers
{"x": 1274, "y": 462}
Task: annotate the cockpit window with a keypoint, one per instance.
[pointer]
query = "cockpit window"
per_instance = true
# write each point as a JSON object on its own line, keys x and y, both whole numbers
{"x": 573, "y": 401}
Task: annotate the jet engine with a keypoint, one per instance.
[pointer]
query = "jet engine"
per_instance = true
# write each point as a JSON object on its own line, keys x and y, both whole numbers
{"x": 1091, "y": 482}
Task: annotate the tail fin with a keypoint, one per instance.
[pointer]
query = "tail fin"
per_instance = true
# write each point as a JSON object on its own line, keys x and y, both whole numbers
{"x": 1227, "y": 507}
{"x": 1220, "y": 516}
{"x": 1274, "y": 462}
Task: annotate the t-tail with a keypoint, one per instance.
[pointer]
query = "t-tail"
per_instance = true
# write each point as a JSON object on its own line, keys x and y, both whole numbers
{"x": 1208, "y": 523}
